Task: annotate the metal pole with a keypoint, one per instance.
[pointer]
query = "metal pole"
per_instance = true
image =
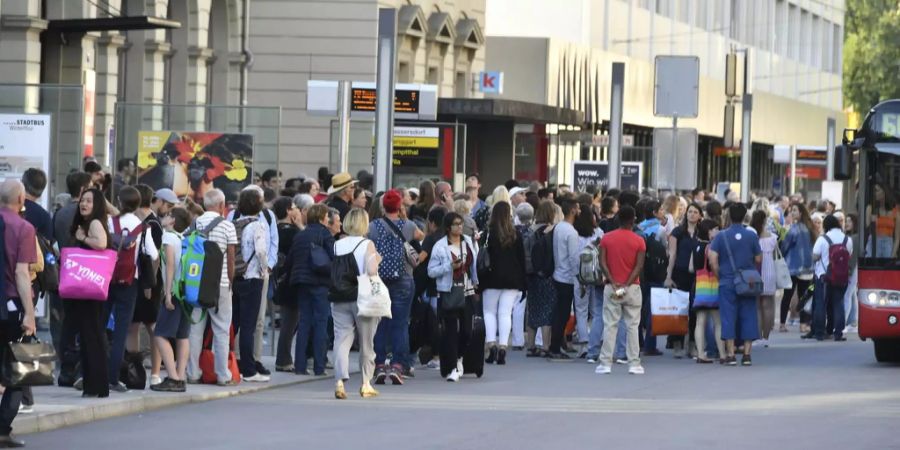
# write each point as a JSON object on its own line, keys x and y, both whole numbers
{"x": 793, "y": 177}
{"x": 674, "y": 153}
{"x": 829, "y": 148}
{"x": 344, "y": 125}
{"x": 615, "y": 124}
{"x": 746, "y": 148}
{"x": 384, "y": 97}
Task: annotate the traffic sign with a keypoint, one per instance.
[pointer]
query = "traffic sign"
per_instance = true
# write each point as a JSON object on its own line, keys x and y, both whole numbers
{"x": 676, "y": 89}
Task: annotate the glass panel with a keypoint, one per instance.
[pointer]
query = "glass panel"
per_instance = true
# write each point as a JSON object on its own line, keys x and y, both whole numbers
{"x": 65, "y": 105}
{"x": 882, "y": 218}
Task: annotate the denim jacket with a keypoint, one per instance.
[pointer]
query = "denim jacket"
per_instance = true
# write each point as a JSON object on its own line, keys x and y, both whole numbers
{"x": 797, "y": 250}
{"x": 440, "y": 265}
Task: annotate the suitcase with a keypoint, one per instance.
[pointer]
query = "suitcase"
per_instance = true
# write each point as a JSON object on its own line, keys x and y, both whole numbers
{"x": 473, "y": 359}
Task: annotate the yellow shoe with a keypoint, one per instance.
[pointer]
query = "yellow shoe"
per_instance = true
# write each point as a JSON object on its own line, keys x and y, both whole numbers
{"x": 367, "y": 391}
{"x": 339, "y": 392}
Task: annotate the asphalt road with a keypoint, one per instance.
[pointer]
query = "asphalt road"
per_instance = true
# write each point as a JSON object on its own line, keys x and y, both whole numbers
{"x": 798, "y": 395}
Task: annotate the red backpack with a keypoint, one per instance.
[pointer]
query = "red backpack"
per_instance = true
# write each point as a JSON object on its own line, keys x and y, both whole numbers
{"x": 838, "y": 271}
{"x": 124, "y": 244}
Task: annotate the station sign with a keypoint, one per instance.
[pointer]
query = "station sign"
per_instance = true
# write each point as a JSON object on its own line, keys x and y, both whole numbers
{"x": 417, "y": 147}
{"x": 490, "y": 82}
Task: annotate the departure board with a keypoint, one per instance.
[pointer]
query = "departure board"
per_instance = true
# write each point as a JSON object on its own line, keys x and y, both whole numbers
{"x": 405, "y": 101}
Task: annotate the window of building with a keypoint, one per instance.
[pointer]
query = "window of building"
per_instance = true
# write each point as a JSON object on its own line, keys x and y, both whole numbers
{"x": 805, "y": 37}
{"x": 461, "y": 85}
{"x": 684, "y": 11}
{"x": 718, "y": 17}
{"x": 735, "y": 23}
{"x": 404, "y": 74}
{"x": 644, "y": 4}
{"x": 433, "y": 77}
{"x": 836, "y": 48}
{"x": 664, "y": 7}
{"x": 781, "y": 27}
{"x": 816, "y": 43}
{"x": 700, "y": 11}
{"x": 825, "y": 46}
{"x": 794, "y": 31}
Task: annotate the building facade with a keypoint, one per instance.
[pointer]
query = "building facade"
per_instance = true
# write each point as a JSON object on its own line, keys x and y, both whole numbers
{"x": 440, "y": 42}
{"x": 562, "y": 54}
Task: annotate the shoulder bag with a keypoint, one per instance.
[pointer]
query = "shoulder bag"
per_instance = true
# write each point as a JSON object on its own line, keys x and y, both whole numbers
{"x": 782, "y": 272}
{"x": 747, "y": 282}
{"x": 456, "y": 298}
{"x": 410, "y": 254}
{"x": 373, "y": 299}
{"x": 28, "y": 362}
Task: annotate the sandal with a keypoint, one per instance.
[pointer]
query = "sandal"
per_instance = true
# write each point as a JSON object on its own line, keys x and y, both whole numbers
{"x": 534, "y": 353}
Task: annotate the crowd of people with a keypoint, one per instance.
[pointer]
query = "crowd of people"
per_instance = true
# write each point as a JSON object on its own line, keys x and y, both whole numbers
{"x": 557, "y": 274}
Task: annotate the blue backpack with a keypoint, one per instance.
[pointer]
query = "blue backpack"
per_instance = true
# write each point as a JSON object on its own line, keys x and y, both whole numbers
{"x": 390, "y": 246}
{"x": 197, "y": 285}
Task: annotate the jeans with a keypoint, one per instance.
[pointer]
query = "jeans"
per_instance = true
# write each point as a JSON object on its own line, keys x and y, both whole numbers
{"x": 828, "y": 297}
{"x": 121, "y": 301}
{"x": 738, "y": 313}
{"x": 595, "y": 337}
{"x": 396, "y": 329}
{"x": 565, "y": 292}
{"x": 245, "y": 310}
{"x": 498, "y": 309}
{"x": 584, "y": 297}
{"x": 799, "y": 286}
{"x": 518, "y": 323}
{"x": 10, "y": 330}
{"x": 220, "y": 320}
{"x": 314, "y": 313}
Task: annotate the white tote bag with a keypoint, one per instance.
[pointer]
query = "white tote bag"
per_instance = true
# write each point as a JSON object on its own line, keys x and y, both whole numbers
{"x": 373, "y": 298}
{"x": 782, "y": 273}
{"x": 669, "y": 312}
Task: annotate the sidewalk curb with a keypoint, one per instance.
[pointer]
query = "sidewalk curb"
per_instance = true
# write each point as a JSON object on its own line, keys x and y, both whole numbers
{"x": 35, "y": 423}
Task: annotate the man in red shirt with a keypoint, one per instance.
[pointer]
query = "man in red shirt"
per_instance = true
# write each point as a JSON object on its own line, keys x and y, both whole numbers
{"x": 622, "y": 258}
{"x": 16, "y": 307}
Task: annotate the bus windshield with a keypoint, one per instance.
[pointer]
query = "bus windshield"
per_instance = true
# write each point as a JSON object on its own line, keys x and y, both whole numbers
{"x": 881, "y": 220}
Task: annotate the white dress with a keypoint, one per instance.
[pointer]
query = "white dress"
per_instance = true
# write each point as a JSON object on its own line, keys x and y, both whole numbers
{"x": 768, "y": 245}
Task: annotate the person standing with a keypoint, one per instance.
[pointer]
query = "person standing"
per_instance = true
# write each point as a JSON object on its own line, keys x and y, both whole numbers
{"x": 622, "y": 259}
{"x": 221, "y": 232}
{"x": 707, "y": 231}
{"x": 290, "y": 219}
{"x": 390, "y": 233}
{"x": 146, "y": 308}
{"x": 741, "y": 250}
{"x": 565, "y": 254}
{"x": 541, "y": 292}
{"x": 797, "y": 250}
{"x": 341, "y": 193}
{"x": 655, "y": 239}
{"x": 247, "y": 298}
{"x": 312, "y": 245}
{"x": 503, "y": 282}
{"x": 17, "y": 313}
{"x": 851, "y": 306}
{"x": 680, "y": 275}
{"x": 589, "y": 234}
{"x": 123, "y": 293}
{"x": 767, "y": 243}
{"x": 831, "y": 254}
{"x": 346, "y": 313}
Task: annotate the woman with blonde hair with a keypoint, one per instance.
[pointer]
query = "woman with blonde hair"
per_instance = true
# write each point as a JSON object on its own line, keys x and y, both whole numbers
{"x": 345, "y": 313}
{"x": 464, "y": 209}
{"x": 671, "y": 205}
{"x": 541, "y": 292}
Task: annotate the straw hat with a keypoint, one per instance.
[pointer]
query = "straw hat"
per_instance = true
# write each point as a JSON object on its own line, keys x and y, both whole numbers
{"x": 340, "y": 181}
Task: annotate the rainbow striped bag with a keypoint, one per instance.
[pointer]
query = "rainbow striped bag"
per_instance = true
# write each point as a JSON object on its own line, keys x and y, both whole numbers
{"x": 706, "y": 291}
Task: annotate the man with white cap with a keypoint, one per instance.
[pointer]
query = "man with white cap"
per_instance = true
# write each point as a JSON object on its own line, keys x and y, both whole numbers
{"x": 516, "y": 198}
{"x": 341, "y": 193}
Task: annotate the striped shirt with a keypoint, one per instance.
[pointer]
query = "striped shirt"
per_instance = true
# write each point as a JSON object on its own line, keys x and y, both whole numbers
{"x": 223, "y": 235}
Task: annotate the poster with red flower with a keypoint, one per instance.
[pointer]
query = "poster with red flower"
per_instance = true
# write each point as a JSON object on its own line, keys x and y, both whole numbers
{"x": 191, "y": 163}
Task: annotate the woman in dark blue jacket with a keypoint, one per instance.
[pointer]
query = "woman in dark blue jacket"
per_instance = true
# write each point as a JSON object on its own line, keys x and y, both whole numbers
{"x": 309, "y": 263}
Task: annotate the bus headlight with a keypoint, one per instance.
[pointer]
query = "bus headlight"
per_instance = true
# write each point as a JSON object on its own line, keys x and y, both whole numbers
{"x": 880, "y": 298}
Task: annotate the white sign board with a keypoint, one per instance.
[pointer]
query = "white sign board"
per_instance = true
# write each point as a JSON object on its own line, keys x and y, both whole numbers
{"x": 588, "y": 176}
{"x": 25, "y": 143}
{"x": 781, "y": 154}
{"x": 675, "y": 168}
{"x": 834, "y": 191}
{"x": 676, "y": 90}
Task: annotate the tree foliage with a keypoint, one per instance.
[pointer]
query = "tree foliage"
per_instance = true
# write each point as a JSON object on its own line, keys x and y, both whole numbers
{"x": 871, "y": 53}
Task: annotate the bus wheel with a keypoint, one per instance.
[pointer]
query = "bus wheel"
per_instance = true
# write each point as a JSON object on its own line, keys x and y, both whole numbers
{"x": 887, "y": 350}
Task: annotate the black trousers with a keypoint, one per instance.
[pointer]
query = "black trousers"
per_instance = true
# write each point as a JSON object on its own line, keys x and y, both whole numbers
{"x": 290, "y": 319}
{"x": 562, "y": 310}
{"x": 799, "y": 286}
{"x": 10, "y": 330}
{"x": 457, "y": 328}
{"x": 65, "y": 340}
{"x": 88, "y": 319}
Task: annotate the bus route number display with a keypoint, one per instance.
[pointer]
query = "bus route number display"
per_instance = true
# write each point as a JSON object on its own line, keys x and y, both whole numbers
{"x": 405, "y": 101}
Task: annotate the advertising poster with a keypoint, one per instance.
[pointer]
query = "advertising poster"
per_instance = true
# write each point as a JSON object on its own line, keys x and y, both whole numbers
{"x": 24, "y": 143}
{"x": 591, "y": 176}
{"x": 191, "y": 163}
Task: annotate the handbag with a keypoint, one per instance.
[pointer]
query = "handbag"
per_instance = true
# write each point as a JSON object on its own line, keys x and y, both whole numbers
{"x": 373, "y": 299}
{"x": 706, "y": 292}
{"x": 411, "y": 256}
{"x": 319, "y": 261}
{"x": 85, "y": 274}
{"x": 28, "y": 362}
{"x": 669, "y": 312}
{"x": 747, "y": 282}
{"x": 483, "y": 262}
{"x": 456, "y": 298}
{"x": 132, "y": 372}
{"x": 782, "y": 273}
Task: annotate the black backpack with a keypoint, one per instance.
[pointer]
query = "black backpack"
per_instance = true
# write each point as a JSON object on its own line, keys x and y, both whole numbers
{"x": 542, "y": 253}
{"x": 344, "y": 270}
{"x": 48, "y": 279}
{"x": 656, "y": 261}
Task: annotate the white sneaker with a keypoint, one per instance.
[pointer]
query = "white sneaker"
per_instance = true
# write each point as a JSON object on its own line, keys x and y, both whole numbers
{"x": 636, "y": 370}
{"x": 603, "y": 369}
{"x": 433, "y": 364}
{"x": 459, "y": 366}
{"x": 851, "y": 329}
{"x": 592, "y": 359}
{"x": 453, "y": 377}
{"x": 258, "y": 378}
{"x": 26, "y": 409}
{"x": 154, "y": 380}
{"x": 621, "y": 361}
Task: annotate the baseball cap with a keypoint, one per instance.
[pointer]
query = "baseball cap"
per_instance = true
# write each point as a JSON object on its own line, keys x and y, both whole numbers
{"x": 167, "y": 195}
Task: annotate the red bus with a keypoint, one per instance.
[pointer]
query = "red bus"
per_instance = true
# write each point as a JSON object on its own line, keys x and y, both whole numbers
{"x": 877, "y": 145}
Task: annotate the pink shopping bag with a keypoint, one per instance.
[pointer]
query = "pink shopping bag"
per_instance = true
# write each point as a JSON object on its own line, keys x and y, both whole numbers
{"x": 85, "y": 274}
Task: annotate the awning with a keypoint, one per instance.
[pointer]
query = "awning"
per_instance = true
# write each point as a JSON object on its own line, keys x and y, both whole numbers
{"x": 495, "y": 108}
{"x": 111, "y": 24}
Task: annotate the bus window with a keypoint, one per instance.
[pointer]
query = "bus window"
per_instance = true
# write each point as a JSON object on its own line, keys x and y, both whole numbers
{"x": 882, "y": 219}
